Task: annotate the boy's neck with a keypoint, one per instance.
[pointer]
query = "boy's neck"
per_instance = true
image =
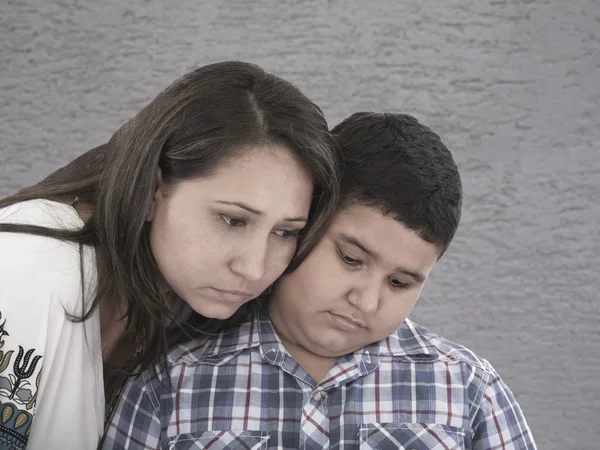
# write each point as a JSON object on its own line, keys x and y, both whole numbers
{"x": 315, "y": 365}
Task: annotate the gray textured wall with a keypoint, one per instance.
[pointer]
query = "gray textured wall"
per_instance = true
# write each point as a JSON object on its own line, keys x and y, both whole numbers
{"x": 512, "y": 86}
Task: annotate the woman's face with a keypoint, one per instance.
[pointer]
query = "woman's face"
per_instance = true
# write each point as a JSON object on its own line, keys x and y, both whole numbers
{"x": 222, "y": 239}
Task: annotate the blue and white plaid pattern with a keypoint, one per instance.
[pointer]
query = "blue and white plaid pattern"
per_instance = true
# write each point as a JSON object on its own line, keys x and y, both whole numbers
{"x": 242, "y": 390}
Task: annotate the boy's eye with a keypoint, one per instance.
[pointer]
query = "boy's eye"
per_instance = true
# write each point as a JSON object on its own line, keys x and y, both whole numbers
{"x": 397, "y": 284}
{"x": 233, "y": 221}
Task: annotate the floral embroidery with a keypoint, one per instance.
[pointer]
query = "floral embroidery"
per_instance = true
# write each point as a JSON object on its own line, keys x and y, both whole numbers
{"x": 17, "y": 394}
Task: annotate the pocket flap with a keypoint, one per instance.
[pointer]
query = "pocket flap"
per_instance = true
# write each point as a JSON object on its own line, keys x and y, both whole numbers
{"x": 411, "y": 436}
{"x": 221, "y": 440}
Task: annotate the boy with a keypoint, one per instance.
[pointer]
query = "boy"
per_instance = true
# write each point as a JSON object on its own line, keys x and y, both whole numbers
{"x": 333, "y": 361}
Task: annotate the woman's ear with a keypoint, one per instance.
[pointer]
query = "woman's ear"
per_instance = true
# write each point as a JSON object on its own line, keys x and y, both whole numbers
{"x": 157, "y": 196}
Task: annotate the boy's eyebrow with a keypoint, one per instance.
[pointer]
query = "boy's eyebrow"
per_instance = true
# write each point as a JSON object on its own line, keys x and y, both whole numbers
{"x": 260, "y": 213}
{"x": 353, "y": 241}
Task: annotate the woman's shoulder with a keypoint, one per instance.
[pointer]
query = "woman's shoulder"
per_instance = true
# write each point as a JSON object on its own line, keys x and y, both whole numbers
{"x": 35, "y": 251}
{"x": 41, "y": 212}
{"x": 40, "y": 263}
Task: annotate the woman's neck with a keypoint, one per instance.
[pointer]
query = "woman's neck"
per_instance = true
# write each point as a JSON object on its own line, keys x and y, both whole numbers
{"x": 116, "y": 344}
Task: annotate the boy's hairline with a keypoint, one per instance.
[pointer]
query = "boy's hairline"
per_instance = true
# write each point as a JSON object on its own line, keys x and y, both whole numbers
{"x": 349, "y": 201}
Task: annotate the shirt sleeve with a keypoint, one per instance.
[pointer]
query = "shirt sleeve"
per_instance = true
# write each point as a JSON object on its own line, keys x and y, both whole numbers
{"x": 136, "y": 421}
{"x": 51, "y": 391}
{"x": 499, "y": 422}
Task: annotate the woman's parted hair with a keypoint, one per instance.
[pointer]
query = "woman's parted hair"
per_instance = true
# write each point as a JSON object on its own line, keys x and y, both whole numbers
{"x": 207, "y": 116}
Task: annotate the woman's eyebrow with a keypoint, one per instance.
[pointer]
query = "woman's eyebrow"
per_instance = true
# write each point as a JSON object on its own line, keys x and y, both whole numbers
{"x": 260, "y": 213}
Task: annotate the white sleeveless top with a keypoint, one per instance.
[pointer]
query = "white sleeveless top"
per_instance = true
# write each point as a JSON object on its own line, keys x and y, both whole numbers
{"x": 51, "y": 385}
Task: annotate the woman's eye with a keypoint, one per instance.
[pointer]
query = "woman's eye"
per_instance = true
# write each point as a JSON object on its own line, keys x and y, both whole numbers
{"x": 287, "y": 234}
{"x": 397, "y": 284}
{"x": 349, "y": 260}
{"x": 233, "y": 221}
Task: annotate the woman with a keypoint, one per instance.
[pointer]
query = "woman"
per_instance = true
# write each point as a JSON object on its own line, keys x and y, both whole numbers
{"x": 197, "y": 203}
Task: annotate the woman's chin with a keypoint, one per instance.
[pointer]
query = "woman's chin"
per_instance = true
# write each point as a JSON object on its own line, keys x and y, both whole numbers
{"x": 215, "y": 311}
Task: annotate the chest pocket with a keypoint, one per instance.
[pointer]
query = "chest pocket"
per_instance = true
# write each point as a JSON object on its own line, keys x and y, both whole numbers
{"x": 411, "y": 436}
{"x": 221, "y": 440}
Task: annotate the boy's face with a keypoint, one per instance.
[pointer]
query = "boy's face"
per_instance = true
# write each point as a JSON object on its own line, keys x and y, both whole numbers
{"x": 355, "y": 287}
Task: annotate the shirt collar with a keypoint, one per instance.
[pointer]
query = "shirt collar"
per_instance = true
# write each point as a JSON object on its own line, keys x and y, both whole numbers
{"x": 256, "y": 331}
{"x": 409, "y": 341}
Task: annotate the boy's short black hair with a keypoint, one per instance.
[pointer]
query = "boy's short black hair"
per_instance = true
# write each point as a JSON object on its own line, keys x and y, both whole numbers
{"x": 402, "y": 168}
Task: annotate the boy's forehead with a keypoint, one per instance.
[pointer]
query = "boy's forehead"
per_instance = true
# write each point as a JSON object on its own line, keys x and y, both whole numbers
{"x": 363, "y": 223}
{"x": 387, "y": 238}
{"x": 356, "y": 214}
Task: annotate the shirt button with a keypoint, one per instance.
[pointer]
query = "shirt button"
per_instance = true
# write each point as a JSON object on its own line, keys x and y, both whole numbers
{"x": 317, "y": 397}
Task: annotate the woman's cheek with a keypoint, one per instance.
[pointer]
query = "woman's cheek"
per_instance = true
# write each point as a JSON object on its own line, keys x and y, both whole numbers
{"x": 282, "y": 259}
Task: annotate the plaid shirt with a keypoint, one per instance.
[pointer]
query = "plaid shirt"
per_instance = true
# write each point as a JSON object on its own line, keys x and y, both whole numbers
{"x": 242, "y": 390}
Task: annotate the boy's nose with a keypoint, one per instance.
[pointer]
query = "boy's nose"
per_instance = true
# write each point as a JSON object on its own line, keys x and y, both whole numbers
{"x": 365, "y": 298}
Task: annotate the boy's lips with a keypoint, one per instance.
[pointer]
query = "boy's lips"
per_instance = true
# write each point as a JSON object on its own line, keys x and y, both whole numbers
{"x": 345, "y": 323}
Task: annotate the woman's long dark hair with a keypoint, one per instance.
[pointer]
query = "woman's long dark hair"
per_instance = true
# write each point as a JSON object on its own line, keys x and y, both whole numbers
{"x": 209, "y": 115}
